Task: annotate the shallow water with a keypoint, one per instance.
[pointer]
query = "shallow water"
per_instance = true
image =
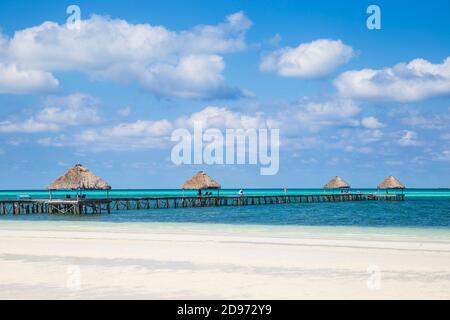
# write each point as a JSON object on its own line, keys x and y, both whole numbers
{"x": 410, "y": 193}
{"x": 429, "y": 208}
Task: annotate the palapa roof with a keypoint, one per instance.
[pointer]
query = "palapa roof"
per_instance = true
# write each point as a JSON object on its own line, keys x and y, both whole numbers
{"x": 391, "y": 182}
{"x": 79, "y": 177}
{"x": 336, "y": 183}
{"x": 201, "y": 181}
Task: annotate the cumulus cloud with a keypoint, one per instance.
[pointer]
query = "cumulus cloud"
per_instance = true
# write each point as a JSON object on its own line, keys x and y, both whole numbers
{"x": 197, "y": 77}
{"x": 222, "y": 118}
{"x": 408, "y": 138}
{"x": 338, "y": 122}
{"x": 124, "y": 112}
{"x": 405, "y": 82}
{"x": 371, "y": 135}
{"x": 371, "y": 123}
{"x": 16, "y": 80}
{"x": 187, "y": 63}
{"x": 418, "y": 119}
{"x": 141, "y": 134}
{"x": 329, "y": 124}
{"x": 443, "y": 156}
{"x": 151, "y": 134}
{"x": 75, "y": 109}
{"x": 316, "y": 115}
{"x": 309, "y": 60}
{"x": 27, "y": 126}
{"x": 140, "y": 128}
{"x": 58, "y": 111}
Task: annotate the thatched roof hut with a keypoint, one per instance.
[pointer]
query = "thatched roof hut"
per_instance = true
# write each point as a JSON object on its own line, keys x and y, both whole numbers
{"x": 391, "y": 182}
{"x": 79, "y": 177}
{"x": 201, "y": 181}
{"x": 336, "y": 183}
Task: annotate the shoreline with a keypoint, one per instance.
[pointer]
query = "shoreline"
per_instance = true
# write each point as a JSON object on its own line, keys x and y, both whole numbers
{"x": 419, "y": 233}
{"x": 198, "y": 261}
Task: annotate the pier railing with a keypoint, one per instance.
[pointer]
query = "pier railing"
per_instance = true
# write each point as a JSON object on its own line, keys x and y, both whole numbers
{"x": 106, "y": 205}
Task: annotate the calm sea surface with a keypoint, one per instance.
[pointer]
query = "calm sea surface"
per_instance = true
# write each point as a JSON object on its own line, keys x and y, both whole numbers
{"x": 422, "y": 208}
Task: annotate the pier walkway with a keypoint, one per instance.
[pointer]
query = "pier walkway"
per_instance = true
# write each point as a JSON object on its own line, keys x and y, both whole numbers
{"x": 106, "y": 205}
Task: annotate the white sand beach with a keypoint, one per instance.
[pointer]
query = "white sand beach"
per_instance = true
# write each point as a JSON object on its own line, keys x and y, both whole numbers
{"x": 89, "y": 260}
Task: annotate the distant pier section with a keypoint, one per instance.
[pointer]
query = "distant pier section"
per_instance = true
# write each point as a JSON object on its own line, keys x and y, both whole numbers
{"x": 107, "y": 205}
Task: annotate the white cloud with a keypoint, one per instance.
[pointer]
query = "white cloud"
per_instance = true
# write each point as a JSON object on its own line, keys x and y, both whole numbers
{"x": 371, "y": 123}
{"x": 75, "y": 109}
{"x": 353, "y": 140}
{"x": 309, "y": 60}
{"x": 55, "y": 141}
{"x": 409, "y": 138}
{"x": 82, "y": 110}
{"x": 222, "y": 118}
{"x": 320, "y": 125}
{"x": 429, "y": 120}
{"x": 353, "y": 149}
{"x": 141, "y": 134}
{"x": 27, "y": 126}
{"x": 15, "y": 80}
{"x": 327, "y": 125}
{"x": 368, "y": 136}
{"x": 443, "y": 156}
{"x": 101, "y": 140}
{"x": 316, "y": 115}
{"x": 148, "y": 134}
{"x": 124, "y": 112}
{"x": 197, "y": 77}
{"x": 184, "y": 64}
{"x": 414, "y": 81}
{"x": 274, "y": 41}
{"x": 305, "y": 125}
{"x": 71, "y": 110}
{"x": 140, "y": 128}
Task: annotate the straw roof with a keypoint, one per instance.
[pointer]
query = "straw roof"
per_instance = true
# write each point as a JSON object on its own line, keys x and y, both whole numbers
{"x": 79, "y": 177}
{"x": 391, "y": 182}
{"x": 337, "y": 183}
{"x": 201, "y": 181}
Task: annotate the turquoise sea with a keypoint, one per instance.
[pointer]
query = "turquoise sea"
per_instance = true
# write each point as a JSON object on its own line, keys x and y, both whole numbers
{"x": 428, "y": 208}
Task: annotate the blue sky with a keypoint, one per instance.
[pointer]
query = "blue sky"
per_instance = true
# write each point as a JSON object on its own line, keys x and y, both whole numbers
{"x": 348, "y": 101}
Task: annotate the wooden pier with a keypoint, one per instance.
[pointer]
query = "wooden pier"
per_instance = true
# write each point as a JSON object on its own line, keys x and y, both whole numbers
{"x": 106, "y": 205}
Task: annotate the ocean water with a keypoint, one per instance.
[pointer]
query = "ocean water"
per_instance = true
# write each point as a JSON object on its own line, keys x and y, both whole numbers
{"x": 118, "y": 193}
{"x": 423, "y": 208}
